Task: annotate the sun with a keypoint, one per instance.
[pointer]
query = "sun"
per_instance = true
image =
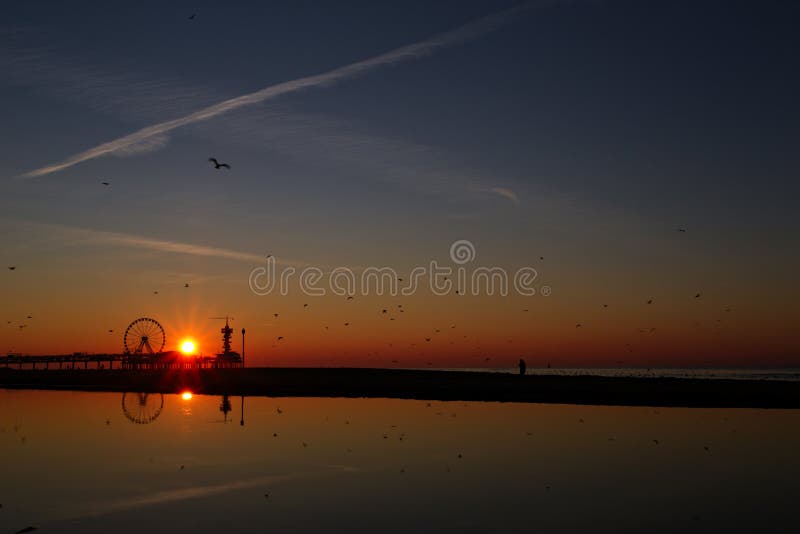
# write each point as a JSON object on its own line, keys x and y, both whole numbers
{"x": 187, "y": 347}
{"x": 187, "y": 395}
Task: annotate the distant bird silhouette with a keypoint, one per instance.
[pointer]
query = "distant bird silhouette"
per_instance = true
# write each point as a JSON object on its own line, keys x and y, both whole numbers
{"x": 650, "y": 301}
{"x": 26, "y": 529}
{"x": 30, "y": 317}
{"x": 681, "y": 229}
{"x": 655, "y": 441}
{"x": 349, "y": 298}
{"x": 182, "y": 467}
{"x": 13, "y": 267}
{"x": 275, "y": 314}
{"x": 305, "y": 305}
{"x": 191, "y": 17}
{"x": 578, "y": 325}
{"x": 280, "y": 337}
{"x": 279, "y": 410}
{"x": 186, "y": 285}
{"x": 697, "y": 296}
{"x": 218, "y": 165}
{"x": 110, "y": 331}
{"x": 347, "y": 324}
{"x": 105, "y": 183}
{"x": 155, "y": 292}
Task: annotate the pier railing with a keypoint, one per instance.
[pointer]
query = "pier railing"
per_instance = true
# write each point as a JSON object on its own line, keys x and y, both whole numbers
{"x": 116, "y": 361}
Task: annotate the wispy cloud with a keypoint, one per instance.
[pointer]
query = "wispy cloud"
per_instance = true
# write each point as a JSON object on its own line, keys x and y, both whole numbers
{"x": 502, "y": 191}
{"x": 78, "y": 235}
{"x": 405, "y": 53}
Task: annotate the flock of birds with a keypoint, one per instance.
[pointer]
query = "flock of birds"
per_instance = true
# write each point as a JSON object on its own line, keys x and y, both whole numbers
{"x": 395, "y": 433}
{"x": 386, "y": 311}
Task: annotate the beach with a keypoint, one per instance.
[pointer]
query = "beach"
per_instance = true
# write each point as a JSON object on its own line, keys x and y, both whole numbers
{"x": 422, "y": 385}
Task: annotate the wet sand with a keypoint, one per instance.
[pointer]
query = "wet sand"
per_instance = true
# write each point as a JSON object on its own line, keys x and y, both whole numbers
{"x": 424, "y": 385}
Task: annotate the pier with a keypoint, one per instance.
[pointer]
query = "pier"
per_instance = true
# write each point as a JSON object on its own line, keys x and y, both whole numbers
{"x": 143, "y": 349}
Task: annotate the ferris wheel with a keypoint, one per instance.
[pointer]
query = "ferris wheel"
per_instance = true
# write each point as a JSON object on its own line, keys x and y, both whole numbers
{"x": 144, "y": 336}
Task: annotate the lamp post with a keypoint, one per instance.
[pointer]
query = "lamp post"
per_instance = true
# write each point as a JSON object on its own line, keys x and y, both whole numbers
{"x": 242, "y": 347}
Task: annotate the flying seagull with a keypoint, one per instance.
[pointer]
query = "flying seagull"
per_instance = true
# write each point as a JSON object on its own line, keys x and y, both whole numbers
{"x": 218, "y": 165}
{"x": 191, "y": 17}
{"x": 105, "y": 183}
{"x": 186, "y": 285}
{"x": 13, "y": 267}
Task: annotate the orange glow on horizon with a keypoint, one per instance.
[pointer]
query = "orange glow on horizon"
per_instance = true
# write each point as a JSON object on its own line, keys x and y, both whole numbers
{"x": 187, "y": 395}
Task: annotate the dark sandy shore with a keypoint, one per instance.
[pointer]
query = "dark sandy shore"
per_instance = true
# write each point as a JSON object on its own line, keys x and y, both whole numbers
{"x": 427, "y": 385}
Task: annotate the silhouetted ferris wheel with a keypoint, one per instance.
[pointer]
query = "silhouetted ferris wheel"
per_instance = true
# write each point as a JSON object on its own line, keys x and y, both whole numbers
{"x": 142, "y": 408}
{"x": 144, "y": 336}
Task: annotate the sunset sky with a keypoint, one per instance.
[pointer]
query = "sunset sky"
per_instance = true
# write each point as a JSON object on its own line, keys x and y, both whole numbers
{"x": 586, "y": 133}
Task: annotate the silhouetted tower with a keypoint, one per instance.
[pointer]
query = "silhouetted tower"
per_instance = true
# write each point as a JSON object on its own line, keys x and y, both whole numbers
{"x": 227, "y": 332}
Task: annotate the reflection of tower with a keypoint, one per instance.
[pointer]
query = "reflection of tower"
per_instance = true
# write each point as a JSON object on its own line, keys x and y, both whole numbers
{"x": 225, "y": 407}
{"x": 242, "y": 421}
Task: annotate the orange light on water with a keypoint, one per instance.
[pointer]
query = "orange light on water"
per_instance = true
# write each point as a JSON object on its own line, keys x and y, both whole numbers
{"x": 186, "y": 395}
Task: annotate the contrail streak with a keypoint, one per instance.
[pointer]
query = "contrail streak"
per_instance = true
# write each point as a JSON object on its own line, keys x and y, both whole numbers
{"x": 450, "y": 38}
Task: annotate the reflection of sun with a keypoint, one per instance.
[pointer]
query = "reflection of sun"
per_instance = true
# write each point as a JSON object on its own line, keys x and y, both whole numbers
{"x": 186, "y": 395}
{"x": 187, "y": 347}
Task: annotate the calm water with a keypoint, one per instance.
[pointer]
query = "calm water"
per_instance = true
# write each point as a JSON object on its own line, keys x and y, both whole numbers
{"x": 80, "y": 462}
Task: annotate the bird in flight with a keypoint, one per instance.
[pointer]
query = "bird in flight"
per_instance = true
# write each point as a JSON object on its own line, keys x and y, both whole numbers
{"x": 191, "y": 17}
{"x": 105, "y": 183}
{"x": 11, "y": 268}
{"x": 186, "y": 285}
{"x": 218, "y": 165}
{"x": 697, "y": 296}
{"x": 682, "y": 229}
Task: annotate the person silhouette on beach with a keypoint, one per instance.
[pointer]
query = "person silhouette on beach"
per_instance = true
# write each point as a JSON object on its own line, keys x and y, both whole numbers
{"x": 522, "y": 367}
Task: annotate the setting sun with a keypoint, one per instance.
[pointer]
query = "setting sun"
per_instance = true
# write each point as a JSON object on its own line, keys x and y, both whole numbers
{"x": 186, "y": 395}
{"x": 187, "y": 347}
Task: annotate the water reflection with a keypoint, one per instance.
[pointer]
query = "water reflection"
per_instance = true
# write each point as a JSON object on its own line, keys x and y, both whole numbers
{"x": 383, "y": 465}
{"x": 142, "y": 408}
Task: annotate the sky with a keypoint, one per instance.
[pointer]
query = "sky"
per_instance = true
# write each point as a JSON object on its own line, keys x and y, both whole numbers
{"x": 629, "y": 152}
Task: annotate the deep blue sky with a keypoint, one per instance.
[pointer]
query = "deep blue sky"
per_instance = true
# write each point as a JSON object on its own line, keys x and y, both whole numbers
{"x": 613, "y": 123}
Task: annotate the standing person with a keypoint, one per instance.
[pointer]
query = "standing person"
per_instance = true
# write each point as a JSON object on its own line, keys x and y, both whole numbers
{"x": 522, "y": 367}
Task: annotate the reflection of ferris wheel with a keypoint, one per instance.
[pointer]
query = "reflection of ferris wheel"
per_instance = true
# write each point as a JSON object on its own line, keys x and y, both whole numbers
{"x": 142, "y": 408}
{"x": 144, "y": 335}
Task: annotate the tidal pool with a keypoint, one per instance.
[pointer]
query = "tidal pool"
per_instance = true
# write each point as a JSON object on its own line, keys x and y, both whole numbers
{"x": 108, "y": 462}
